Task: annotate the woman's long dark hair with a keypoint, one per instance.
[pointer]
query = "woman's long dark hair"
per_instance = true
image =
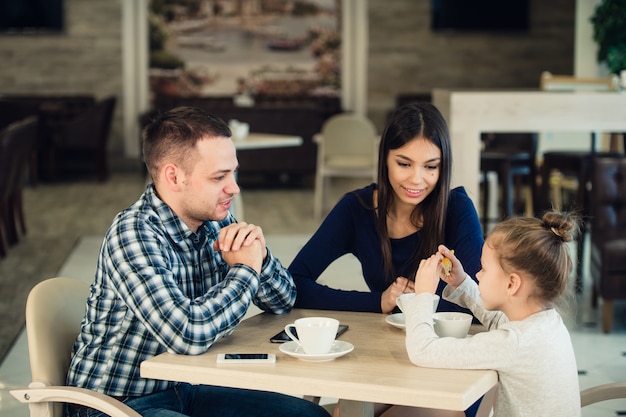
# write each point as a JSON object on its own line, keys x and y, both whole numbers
{"x": 407, "y": 123}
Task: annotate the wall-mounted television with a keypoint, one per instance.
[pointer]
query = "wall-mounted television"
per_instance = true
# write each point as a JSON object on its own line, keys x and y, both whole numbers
{"x": 480, "y": 15}
{"x": 31, "y": 16}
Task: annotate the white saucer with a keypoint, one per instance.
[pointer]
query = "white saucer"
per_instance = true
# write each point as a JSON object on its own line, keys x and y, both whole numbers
{"x": 339, "y": 348}
{"x": 396, "y": 320}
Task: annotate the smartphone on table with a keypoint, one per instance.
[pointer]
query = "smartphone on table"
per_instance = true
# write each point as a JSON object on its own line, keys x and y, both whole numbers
{"x": 282, "y": 336}
{"x": 246, "y": 358}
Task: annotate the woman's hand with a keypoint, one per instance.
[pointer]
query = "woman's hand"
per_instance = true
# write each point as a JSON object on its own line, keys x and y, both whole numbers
{"x": 388, "y": 299}
{"x": 457, "y": 274}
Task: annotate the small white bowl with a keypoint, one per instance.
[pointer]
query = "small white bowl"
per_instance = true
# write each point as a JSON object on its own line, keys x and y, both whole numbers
{"x": 452, "y": 324}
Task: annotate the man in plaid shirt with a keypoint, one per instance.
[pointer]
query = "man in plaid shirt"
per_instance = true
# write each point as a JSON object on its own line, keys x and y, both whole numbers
{"x": 176, "y": 273}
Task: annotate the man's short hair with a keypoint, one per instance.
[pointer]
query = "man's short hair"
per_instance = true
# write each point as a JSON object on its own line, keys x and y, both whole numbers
{"x": 173, "y": 134}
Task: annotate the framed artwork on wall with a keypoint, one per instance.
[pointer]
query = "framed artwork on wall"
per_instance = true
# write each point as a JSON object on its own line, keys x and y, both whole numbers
{"x": 245, "y": 48}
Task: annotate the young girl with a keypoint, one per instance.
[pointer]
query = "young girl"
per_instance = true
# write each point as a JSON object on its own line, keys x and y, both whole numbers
{"x": 525, "y": 269}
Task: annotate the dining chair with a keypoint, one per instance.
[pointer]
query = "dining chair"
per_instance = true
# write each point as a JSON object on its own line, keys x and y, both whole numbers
{"x": 5, "y": 178}
{"x": 592, "y": 395}
{"x": 17, "y": 142}
{"x": 604, "y": 392}
{"x": 512, "y": 156}
{"x": 54, "y": 310}
{"x": 26, "y": 133}
{"x": 14, "y": 110}
{"x": 588, "y": 396}
{"x": 346, "y": 148}
{"x": 84, "y": 138}
{"x": 608, "y": 234}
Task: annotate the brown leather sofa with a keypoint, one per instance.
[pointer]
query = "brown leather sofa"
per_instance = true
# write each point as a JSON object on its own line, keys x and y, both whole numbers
{"x": 80, "y": 144}
{"x": 53, "y": 112}
{"x": 302, "y": 116}
{"x": 608, "y": 233}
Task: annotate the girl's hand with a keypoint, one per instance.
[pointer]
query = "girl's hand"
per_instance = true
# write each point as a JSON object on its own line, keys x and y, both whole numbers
{"x": 427, "y": 275}
{"x": 457, "y": 274}
{"x": 388, "y": 299}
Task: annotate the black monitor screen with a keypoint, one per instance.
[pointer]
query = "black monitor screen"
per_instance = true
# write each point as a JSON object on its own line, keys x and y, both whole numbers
{"x": 31, "y": 15}
{"x": 480, "y": 15}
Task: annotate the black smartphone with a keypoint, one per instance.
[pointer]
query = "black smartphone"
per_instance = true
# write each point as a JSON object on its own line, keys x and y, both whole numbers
{"x": 282, "y": 337}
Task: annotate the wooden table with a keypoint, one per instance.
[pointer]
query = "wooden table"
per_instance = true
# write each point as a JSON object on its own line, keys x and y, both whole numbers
{"x": 376, "y": 371}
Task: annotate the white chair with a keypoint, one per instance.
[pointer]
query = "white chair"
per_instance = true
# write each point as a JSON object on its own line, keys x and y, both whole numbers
{"x": 347, "y": 148}
{"x": 604, "y": 392}
{"x": 54, "y": 310}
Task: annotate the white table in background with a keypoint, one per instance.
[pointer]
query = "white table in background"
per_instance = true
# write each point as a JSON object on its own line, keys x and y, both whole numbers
{"x": 469, "y": 113}
{"x": 260, "y": 141}
{"x": 267, "y": 140}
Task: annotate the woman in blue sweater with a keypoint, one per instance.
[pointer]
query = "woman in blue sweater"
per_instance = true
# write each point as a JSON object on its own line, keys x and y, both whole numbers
{"x": 390, "y": 226}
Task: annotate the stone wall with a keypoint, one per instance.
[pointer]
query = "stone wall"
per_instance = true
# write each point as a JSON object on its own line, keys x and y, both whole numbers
{"x": 86, "y": 58}
{"x": 404, "y": 54}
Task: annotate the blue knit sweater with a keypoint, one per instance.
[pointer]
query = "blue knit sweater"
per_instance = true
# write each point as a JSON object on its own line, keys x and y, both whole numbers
{"x": 350, "y": 228}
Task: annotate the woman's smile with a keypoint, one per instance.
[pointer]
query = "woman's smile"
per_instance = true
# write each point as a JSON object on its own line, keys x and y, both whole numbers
{"x": 414, "y": 192}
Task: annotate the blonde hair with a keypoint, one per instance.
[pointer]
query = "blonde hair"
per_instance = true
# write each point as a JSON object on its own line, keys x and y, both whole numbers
{"x": 539, "y": 248}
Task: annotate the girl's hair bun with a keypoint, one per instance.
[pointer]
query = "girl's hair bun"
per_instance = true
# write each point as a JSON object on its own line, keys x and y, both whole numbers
{"x": 563, "y": 225}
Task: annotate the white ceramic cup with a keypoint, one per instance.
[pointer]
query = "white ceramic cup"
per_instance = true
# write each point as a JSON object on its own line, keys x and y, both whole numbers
{"x": 315, "y": 334}
{"x": 238, "y": 129}
{"x": 452, "y": 324}
{"x": 409, "y": 295}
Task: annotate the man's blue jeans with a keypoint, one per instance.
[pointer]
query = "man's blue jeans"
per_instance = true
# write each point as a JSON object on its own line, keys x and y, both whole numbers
{"x": 211, "y": 401}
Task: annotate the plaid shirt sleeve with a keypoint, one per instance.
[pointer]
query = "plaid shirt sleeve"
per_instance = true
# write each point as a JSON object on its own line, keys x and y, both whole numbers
{"x": 277, "y": 291}
{"x": 188, "y": 298}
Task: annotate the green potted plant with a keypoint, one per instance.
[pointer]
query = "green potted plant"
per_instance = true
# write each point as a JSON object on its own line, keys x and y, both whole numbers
{"x": 609, "y": 31}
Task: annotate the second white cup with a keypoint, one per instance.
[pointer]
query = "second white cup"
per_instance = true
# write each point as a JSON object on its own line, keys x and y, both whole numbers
{"x": 315, "y": 334}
